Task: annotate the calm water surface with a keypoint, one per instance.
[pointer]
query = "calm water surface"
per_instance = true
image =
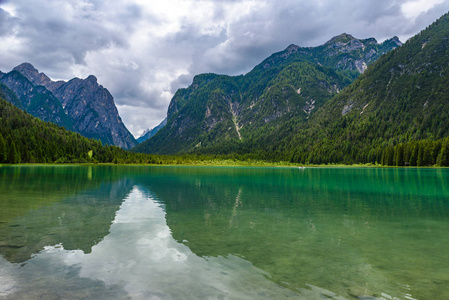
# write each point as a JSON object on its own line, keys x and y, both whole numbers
{"x": 125, "y": 232}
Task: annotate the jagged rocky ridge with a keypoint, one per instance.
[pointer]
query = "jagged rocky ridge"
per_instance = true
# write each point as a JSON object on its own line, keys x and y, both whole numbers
{"x": 80, "y": 105}
{"x": 291, "y": 84}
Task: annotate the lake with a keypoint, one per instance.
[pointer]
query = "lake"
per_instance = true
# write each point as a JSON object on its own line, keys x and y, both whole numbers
{"x": 139, "y": 232}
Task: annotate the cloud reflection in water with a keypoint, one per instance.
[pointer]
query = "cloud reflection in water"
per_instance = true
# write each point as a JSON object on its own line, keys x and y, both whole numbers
{"x": 139, "y": 259}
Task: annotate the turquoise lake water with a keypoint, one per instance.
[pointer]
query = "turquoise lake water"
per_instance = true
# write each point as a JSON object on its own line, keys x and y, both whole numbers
{"x": 137, "y": 232}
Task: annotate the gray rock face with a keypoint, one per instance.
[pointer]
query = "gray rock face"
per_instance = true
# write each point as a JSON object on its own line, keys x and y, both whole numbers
{"x": 33, "y": 75}
{"x": 81, "y": 105}
{"x": 343, "y": 52}
{"x": 36, "y": 100}
{"x": 91, "y": 108}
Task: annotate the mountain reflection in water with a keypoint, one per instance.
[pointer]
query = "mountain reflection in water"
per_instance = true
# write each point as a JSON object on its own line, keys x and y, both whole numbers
{"x": 138, "y": 259}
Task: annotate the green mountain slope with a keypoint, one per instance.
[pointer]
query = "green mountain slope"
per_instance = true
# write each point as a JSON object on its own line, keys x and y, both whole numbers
{"x": 291, "y": 84}
{"x": 209, "y": 113}
{"x": 27, "y": 139}
{"x": 402, "y": 98}
{"x": 394, "y": 114}
{"x": 7, "y": 94}
{"x": 24, "y": 138}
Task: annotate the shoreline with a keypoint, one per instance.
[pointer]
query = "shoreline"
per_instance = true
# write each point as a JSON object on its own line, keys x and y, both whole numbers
{"x": 229, "y": 163}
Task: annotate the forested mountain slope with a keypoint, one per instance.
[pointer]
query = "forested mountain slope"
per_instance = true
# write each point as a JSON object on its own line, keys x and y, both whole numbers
{"x": 400, "y": 99}
{"x": 291, "y": 84}
{"x": 395, "y": 113}
{"x": 27, "y": 139}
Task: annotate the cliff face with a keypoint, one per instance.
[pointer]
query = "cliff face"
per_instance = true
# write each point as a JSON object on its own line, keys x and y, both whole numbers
{"x": 81, "y": 105}
{"x": 91, "y": 108}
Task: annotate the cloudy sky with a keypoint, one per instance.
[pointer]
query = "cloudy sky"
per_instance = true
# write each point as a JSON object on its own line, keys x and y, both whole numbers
{"x": 143, "y": 51}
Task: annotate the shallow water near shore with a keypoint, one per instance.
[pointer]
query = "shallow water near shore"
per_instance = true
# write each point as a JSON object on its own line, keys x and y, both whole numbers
{"x": 139, "y": 232}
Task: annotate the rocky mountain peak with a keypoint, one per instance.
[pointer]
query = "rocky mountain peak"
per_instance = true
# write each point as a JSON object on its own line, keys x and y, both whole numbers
{"x": 342, "y": 38}
{"x": 93, "y": 111}
{"x": 91, "y": 79}
{"x": 347, "y": 43}
{"x": 292, "y": 48}
{"x": 32, "y": 74}
{"x": 26, "y": 68}
{"x": 396, "y": 40}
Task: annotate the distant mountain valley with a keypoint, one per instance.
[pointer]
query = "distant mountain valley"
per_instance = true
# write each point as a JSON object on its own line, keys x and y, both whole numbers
{"x": 149, "y": 133}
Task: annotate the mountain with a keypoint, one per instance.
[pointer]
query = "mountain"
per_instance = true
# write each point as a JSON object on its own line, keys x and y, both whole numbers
{"x": 151, "y": 132}
{"x": 27, "y": 139}
{"x": 81, "y": 105}
{"x": 292, "y": 84}
{"x": 401, "y": 99}
{"x": 395, "y": 113}
{"x": 36, "y": 100}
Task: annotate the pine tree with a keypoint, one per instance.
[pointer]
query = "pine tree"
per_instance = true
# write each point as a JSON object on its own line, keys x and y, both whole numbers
{"x": 420, "y": 159}
{"x": 12, "y": 155}
{"x": 443, "y": 157}
{"x": 399, "y": 155}
{"x": 414, "y": 154}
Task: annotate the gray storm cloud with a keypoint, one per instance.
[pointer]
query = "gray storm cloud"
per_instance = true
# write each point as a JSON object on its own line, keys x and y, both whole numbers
{"x": 143, "y": 51}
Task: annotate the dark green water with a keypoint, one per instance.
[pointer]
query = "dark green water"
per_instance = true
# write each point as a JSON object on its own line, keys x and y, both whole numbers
{"x": 107, "y": 232}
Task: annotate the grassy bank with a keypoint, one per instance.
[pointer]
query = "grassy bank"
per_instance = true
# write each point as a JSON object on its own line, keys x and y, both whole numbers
{"x": 224, "y": 163}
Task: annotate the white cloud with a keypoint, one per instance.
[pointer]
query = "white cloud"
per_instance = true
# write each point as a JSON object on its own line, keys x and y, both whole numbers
{"x": 135, "y": 117}
{"x": 413, "y": 9}
{"x": 9, "y": 8}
